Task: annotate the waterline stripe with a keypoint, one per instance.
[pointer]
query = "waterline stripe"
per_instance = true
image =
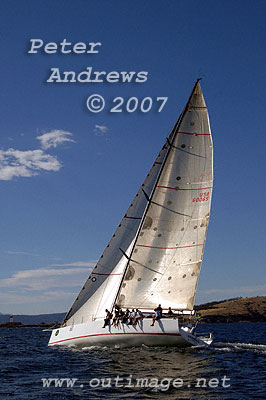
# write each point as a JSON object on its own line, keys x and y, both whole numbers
{"x": 112, "y": 334}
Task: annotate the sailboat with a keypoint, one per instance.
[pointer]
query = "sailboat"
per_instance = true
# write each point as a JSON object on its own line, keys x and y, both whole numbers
{"x": 155, "y": 255}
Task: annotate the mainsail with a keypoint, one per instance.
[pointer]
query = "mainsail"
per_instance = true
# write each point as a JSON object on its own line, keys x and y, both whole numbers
{"x": 156, "y": 252}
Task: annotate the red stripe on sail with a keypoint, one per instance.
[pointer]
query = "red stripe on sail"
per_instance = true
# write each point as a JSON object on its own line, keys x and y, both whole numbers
{"x": 169, "y": 248}
{"x": 169, "y": 187}
{"x": 195, "y": 107}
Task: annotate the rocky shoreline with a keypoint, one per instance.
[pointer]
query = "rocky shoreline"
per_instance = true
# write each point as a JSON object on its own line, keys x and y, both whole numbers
{"x": 249, "y": 309}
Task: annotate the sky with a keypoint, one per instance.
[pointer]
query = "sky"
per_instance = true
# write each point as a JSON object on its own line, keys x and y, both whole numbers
{"x": 67, "y": 175}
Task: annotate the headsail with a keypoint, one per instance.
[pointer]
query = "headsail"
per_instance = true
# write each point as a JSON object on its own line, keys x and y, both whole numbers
{"x": 155, "y": 254}
{"x": 100, "y": 289}
{"x": 167, "y": 254}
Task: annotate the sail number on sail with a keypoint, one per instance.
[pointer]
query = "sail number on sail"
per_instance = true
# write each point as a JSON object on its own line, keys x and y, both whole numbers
{"x": 202, "y": 197}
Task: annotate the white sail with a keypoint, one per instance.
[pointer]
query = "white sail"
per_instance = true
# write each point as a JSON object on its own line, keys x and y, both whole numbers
{"x": 103, "y": 297}
{"x": 100, "y": 289}
{"x": 155, "y": 253}
{"x": 167, "y": 255}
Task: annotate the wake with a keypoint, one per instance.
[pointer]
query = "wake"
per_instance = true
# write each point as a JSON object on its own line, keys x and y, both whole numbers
{"x": 253, "y": 347}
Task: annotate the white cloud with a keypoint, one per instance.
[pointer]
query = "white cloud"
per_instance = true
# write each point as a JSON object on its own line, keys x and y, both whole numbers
{"x": 100, "y": 130}
{"x": 76, "y": 264}
{"x": 35, "y": 291}
{"x": 238, "y": 291}
{"x": 45, "y": 278}
{"x": 54, "y": 138}
{"x": 17, "y": 163}
{"x": 23, "y": 253}
{"x": 27, "y": 163}
{"x": 24, "y": 298}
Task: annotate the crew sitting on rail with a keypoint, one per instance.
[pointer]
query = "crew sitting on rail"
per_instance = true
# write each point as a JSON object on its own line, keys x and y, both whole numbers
{"x": 138, "y": 316}
{"x": 125, "y": 316}
{"x": 107, "y": 318}
{"x": 131, "y": 316}
{"x": 159, "y": 308}
{"x": 118, "y": 317}
{"x": 170, "y": 313}
{"x": 157, "y": 315}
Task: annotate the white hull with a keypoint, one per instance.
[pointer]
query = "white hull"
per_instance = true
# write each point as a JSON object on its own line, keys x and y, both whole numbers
{"x": 165, "y": 332}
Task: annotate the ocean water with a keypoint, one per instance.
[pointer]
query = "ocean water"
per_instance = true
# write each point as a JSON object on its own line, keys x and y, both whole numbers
{"x": 234, "y": 367}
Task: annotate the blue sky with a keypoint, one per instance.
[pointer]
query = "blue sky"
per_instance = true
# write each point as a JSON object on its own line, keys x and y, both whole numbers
{"x": 68, "y": 175}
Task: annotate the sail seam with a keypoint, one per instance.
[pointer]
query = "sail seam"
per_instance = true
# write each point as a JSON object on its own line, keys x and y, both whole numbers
{"x": 188, "y": 152}
{"x": 197, "y": 183}
{"x": 194, "y": 262}
{"x": 132, "y": 217}
{"x": 96, "y": 273}
{"x": 195, "y": 133}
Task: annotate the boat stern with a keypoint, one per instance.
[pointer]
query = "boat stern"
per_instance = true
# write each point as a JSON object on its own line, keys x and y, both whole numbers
{"x": 189, "y": 335}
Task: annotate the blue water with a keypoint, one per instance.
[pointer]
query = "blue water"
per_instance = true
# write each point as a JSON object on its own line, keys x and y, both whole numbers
{"x": 233, "y": 368}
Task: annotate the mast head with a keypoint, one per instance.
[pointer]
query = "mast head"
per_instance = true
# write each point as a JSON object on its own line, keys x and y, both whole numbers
{"x": 196, "y": 99}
